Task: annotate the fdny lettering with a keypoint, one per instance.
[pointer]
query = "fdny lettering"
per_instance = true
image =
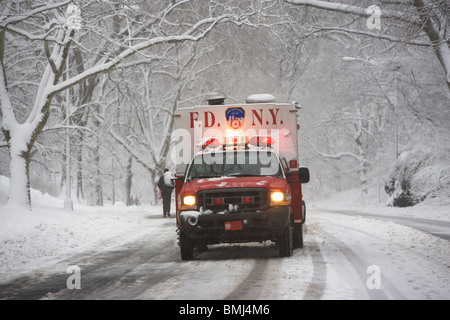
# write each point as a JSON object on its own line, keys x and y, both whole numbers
{"x": 193, "y": 117}
{"x": 208, "y": 117}
{"x": 274, "y": 116}
{"x": 259, "y": 118}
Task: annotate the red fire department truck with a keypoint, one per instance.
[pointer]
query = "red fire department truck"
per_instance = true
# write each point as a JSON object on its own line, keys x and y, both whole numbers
{"x": 238, "y": 178}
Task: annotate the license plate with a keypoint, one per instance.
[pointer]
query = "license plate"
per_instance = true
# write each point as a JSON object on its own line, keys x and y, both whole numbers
{"x": 233, "y": 225}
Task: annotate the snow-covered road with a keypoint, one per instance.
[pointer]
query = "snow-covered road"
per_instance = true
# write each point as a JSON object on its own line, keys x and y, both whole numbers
{"x": 344, "y": 257}
{"x": 412, "y": 264}
{"x": 438, "y": 228}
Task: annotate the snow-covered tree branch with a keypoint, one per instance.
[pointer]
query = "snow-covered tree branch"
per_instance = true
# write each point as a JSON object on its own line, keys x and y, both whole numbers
{"x": 431, "y": 15}
{"x": 48, "y": 25}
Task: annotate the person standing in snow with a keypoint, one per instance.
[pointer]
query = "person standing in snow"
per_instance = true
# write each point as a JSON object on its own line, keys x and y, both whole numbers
{"x": 165, "y": 184}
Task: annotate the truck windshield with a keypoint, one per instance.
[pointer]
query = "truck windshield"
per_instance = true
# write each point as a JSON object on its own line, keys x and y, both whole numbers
{"x": 235, "y": 163}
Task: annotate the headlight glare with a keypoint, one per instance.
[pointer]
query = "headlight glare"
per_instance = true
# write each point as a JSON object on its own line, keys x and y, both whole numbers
{"x": 277, "y": 196}
{"x": 189, "y": 200}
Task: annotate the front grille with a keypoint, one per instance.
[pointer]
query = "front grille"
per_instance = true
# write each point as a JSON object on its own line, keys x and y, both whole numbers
{"x": 218, "y": 200}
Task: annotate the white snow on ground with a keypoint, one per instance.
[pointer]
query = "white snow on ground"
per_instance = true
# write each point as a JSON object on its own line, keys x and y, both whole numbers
{"x": 412, "y": 264}
{"x": 336, "y": 246}
{"x": 30, "y": 240}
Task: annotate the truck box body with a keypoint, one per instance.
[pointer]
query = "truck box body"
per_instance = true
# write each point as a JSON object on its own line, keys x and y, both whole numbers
{"x": 195, "y": 124}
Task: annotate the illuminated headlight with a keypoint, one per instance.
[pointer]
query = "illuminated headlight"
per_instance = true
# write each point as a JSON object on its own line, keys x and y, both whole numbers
{"x": 277, "y": 196}
{"x": 189, "y": 201}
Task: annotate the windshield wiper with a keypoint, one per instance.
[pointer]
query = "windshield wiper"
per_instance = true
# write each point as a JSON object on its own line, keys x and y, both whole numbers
{"x": 238, "y": 174}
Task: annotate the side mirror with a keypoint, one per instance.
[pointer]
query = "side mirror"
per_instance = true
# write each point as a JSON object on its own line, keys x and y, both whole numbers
{"x": 303, "y": 174}
{"x": 178, "y": 181}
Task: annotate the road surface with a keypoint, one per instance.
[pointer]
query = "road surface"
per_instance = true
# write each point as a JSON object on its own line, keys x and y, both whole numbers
{"x": 344, "y": 257}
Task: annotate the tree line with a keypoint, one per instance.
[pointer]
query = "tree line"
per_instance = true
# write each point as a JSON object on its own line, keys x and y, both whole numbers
{"x": 88, "y": 88}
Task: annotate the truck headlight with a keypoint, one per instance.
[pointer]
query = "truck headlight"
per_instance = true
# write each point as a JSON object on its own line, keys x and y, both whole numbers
{"x": 277, "y": 196}
{"x": 189, "y": 200}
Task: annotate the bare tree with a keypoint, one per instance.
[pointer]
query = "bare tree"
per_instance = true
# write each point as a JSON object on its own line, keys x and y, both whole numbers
{"x": 47, "y": 24}
{"x": 432, "y": 17}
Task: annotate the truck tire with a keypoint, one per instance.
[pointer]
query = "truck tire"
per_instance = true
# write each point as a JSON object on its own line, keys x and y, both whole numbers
{"x": 201, "y": 247}
{"x": 298, "y": 236}
{"x": 186, "y": 247}
{"x": 303, "y": 211}
{"x": 285, "y": 242}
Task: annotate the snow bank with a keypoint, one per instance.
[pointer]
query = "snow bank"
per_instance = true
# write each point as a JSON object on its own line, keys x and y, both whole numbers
{"x": 30, "y": 240}
{"x": 418, "y": 174}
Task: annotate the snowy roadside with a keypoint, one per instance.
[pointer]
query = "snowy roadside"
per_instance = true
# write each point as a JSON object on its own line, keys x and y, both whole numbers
{"x": 436, "y": 209}
{"x": 48, "y": 234}
{"x": 413, "y": 264}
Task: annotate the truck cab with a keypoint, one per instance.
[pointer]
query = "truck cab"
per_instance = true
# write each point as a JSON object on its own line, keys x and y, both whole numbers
{"x": 242, "y": 183}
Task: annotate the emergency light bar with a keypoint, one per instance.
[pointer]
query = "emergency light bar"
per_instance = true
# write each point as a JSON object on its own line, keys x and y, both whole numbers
{"x": 237, "y": 141}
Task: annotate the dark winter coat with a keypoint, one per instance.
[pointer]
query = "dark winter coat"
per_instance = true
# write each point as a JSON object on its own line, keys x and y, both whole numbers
{"x": 164, "y": 182}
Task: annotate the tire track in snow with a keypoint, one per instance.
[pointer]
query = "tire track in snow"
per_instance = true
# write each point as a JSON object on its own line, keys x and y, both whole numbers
{"x": 226, "y": 271}
{"x": 359, "y": 262}
{"x": 360, "y": 266}
{"x": 250, "y": 287}
{"x": 129, "y": 272}
{"x": 102, "y": 273}
{"x": 317, "y": 284}
{"x": 316, "y": 287}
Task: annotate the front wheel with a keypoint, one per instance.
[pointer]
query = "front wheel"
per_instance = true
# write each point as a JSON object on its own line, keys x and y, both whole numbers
{"x": 298, "y": 235}
{"x": 186, "y": 247}
{"x": 303, "y": 211}
{"x": 285, "y": 242}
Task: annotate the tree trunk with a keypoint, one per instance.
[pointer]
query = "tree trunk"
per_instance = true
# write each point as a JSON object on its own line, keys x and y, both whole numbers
{"x": 154, "y": 198}
{"x": 19, "y": 186}
{"x": 363, "y": 178}
{"x": 80, "y": 191}
{"x": 98, "y": 179}
{"x": 128, "y": 180}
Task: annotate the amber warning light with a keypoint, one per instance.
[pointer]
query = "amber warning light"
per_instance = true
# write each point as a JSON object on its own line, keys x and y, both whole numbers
{"x": 234, "y": 141}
